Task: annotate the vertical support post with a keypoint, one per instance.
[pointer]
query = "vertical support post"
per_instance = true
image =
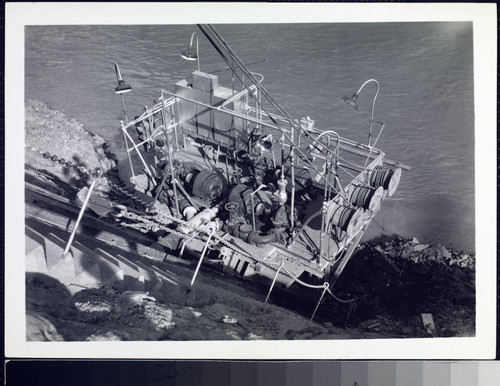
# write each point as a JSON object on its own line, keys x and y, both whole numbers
{"x": 245, "y": 122}
{"x": 253, "y": 211}
{"x": 152, "y": 144}
{"x": 124, "y": 109}
{"x": 128, "y": 153}
{"x": 347, "y": 256}
{"x": 169, "y": 150}
{"x": 217, "y": 156}
{"x": 137, "y": 150}
{"x": 326, "y": 198}
{"x": 174, "y": 126}
{"x": 298, "y": 144}
{"x": 292, "y": 199}
{"x": 323, "y": 230}
{"x": 282, "y": 156}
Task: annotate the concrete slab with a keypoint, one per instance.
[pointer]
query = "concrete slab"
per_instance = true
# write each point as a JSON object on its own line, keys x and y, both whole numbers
{"x": 111, "y": 273}
{"x": 134, "y": 283}
{"x": 54, "y": 247}
{"x": 35, "y": 256}
{"x": 150, "y": 277}
{"x": 34, "y": 235}
{"x": 84, "y": 257}
{"x": 63, "y": 270}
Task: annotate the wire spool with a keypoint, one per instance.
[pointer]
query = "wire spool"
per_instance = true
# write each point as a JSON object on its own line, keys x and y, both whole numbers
{"x": 366, "y": 197}
{"x": 387, "y": 178}
{"x": 347, "y": 219}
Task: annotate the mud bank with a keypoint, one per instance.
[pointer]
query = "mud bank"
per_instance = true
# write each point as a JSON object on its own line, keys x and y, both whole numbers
{"x": 65, "y": 144}
{"x": 393, "y": 281}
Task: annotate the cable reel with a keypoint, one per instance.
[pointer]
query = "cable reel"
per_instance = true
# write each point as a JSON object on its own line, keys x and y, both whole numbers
{"x": 347, "y": 219}
{"x": 366, "y": 197}
{"x": 387, "y": 178}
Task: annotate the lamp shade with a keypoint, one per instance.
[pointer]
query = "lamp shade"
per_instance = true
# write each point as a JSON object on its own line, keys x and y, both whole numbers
{"x": 351, "y": 100}
{"x": 189, "y": 54}
{"x": 122, "y": 87}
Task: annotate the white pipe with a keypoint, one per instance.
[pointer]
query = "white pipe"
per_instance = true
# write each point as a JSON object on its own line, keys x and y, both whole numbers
{"x": 80, "y": 215}
{"x": 138, "y": 152}
{"x": 274, "y": 281}
{"x": 201, "y": 257}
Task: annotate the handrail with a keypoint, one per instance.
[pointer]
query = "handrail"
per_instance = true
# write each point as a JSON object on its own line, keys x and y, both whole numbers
{"x": 151, "y": 111}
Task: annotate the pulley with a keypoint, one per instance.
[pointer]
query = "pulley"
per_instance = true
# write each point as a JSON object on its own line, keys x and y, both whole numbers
{"x": 208, "y": 186}
{"x": 387, "y": 178}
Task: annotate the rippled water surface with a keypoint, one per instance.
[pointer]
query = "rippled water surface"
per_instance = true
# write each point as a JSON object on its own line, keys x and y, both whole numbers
{"x": 425, "y": 72}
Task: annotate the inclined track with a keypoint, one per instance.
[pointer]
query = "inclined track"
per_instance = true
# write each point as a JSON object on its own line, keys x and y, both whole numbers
{"x": 104, "y": 255}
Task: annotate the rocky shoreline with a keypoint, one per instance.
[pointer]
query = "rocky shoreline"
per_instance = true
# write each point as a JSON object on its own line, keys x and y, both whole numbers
{"x": 394, "y": 281}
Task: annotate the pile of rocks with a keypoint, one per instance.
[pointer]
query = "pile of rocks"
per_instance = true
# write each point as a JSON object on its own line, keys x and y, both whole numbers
{"x": 398, "y": 280}
{"x": 419, "y": 253}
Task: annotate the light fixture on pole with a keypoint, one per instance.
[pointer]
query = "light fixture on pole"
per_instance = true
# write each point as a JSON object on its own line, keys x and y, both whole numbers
{"x": 351, "y": 100}
{"x": 122, "y": 88}
{"x": 189, "y": 54}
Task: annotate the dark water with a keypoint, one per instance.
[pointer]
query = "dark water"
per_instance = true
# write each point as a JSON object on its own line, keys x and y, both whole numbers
{"x": 425, "y": 72}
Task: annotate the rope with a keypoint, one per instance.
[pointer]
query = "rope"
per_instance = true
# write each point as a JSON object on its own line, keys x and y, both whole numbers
{"x": 340, "y": 300}
{"x": 296, "y": 279}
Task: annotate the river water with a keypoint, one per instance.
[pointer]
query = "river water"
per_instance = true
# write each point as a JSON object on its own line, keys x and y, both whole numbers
{"x": 425, "y": 71}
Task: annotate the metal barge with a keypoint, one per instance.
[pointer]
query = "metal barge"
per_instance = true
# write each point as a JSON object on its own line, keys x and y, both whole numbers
{"x": 227, "y": 177}
{"x": 230, "y": 178}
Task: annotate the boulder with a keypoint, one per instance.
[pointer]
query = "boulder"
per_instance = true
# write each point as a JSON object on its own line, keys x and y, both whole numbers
{"x": 420, "y": 247}
{"x": 445, "y": 253}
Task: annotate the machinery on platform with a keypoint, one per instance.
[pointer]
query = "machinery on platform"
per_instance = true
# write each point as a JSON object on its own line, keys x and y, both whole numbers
{"x": 232, "y": 179}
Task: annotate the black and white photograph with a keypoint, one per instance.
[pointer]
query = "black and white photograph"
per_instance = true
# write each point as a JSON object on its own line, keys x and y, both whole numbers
{"x": 251, "y": 188}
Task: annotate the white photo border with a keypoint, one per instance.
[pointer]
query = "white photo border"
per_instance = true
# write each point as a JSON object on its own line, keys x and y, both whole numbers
{"x": 483, "y": 16}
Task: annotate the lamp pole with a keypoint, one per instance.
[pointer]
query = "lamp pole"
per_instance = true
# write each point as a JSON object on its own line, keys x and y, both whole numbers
{"x": 197, "y": 48}
{"x": 124, "y": 109}
{"x": 352, "y": 102}
{"x": 121, "y": 89}
{"x": 373, "y": 105}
